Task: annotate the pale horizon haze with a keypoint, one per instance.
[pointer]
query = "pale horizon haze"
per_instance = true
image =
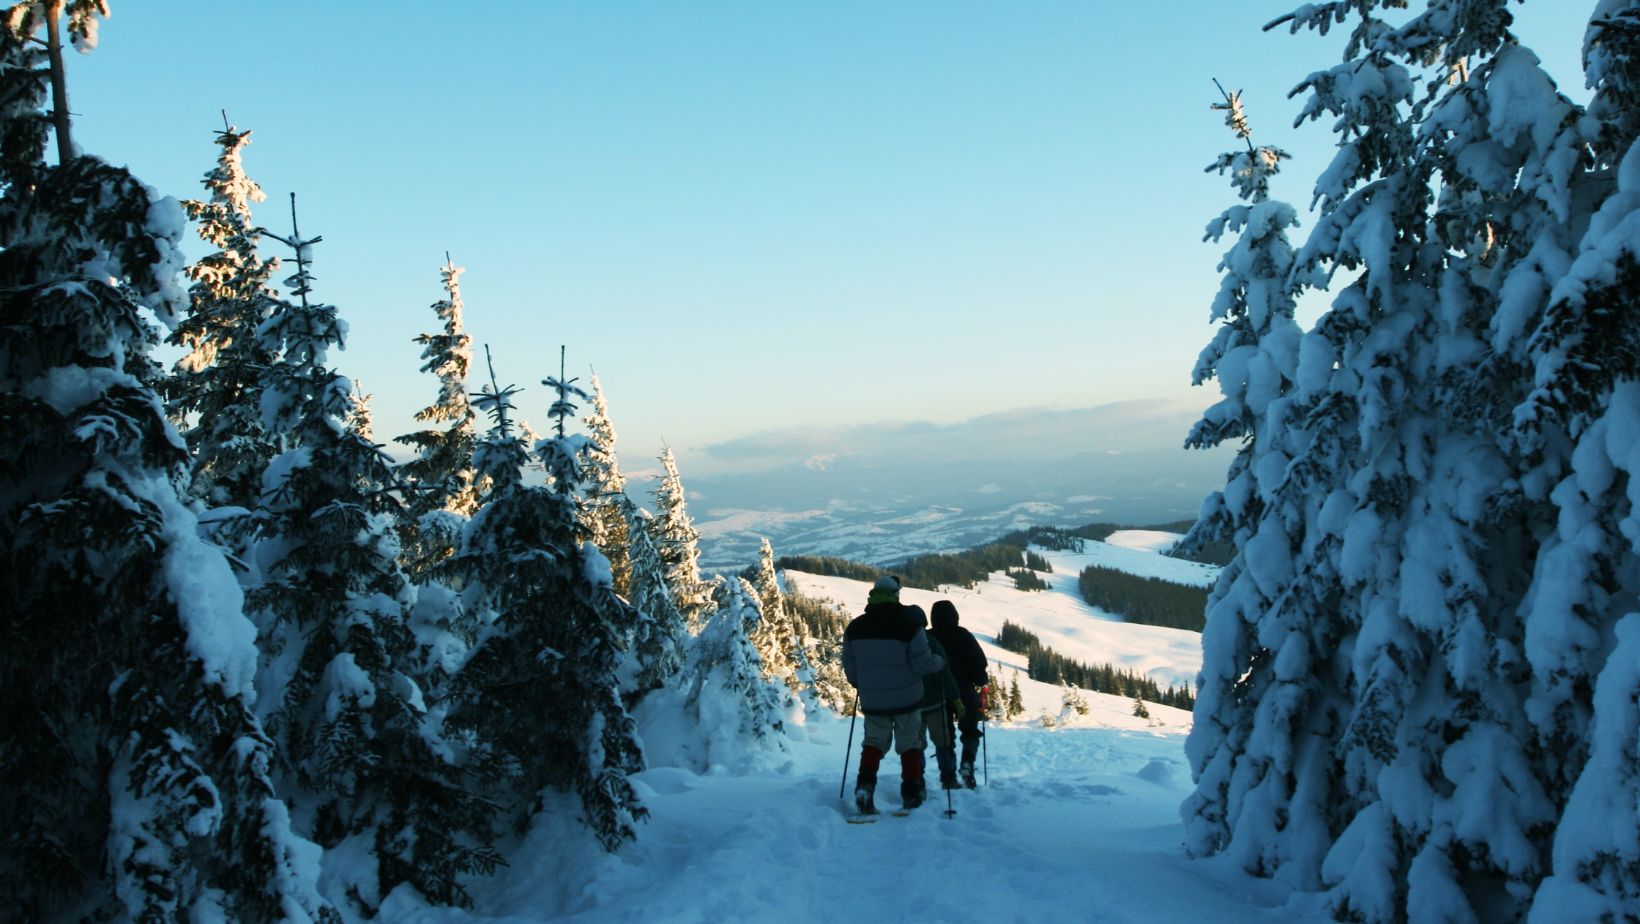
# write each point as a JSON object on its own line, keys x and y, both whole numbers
{"x": 764, "y": 224}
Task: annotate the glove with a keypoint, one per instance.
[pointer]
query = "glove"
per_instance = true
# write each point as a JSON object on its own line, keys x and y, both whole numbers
{"x": 957, "y": 708}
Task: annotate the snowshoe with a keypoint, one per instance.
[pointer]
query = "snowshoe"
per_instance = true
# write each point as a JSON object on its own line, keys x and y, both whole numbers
{"x": 863, "y": 802}
{"x": 912, "y": 793}
{"x": 966, "y": 772}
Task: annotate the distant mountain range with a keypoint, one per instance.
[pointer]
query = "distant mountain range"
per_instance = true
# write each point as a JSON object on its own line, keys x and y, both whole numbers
{"x": 879, "y": 512}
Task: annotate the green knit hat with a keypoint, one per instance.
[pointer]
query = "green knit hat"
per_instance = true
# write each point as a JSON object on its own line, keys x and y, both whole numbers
{"x": 886, "y": 590}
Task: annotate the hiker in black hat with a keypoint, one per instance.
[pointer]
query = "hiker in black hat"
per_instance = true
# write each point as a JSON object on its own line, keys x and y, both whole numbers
{"x": 967, "y": 662}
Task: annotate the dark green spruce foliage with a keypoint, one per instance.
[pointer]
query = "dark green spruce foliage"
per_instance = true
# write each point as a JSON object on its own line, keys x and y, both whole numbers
{"x": 1048, "y": 666}
{"x": 819, "y": 619}
{"x": 1146, "y": 600}
{"x": 828, "y": 566}
{"x": 133, "y": 775}
{"x": 334, "y": 603}
{"x": 1026, "y": 579}
{"x": 964, "y": 569}
{"x": 540, "y": 690}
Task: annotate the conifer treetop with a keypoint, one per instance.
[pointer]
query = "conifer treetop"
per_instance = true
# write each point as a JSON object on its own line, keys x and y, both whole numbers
{"x": 228, "y": 184}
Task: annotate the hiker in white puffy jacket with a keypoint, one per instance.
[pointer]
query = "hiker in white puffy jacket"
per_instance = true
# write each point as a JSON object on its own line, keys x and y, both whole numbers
{"x": 886, "y": 656}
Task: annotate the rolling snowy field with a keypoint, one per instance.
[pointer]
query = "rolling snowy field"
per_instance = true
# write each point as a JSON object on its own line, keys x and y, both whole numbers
{"x": 1058, "y": 616}
{"x": 1077, "y": 822}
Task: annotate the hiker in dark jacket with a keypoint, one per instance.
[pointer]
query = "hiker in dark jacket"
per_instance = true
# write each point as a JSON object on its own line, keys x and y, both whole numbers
{"x": 886, "y": 656}
{"x": 967, "y": 663}
{"x": 941, "y": 702}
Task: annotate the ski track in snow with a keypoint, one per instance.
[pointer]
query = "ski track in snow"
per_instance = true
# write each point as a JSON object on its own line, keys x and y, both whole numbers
{"x": 1078, "y": 822}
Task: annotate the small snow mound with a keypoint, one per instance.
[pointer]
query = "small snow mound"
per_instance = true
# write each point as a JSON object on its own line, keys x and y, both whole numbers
{"x": 1158, "y": 771}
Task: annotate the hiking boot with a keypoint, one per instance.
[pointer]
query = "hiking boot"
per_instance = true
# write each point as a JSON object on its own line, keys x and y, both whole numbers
{"x": 913, "y": 792}
{"x": 966, "y": 771}
{"x": 948, "y": 779}
{"x": 863, "y": 802}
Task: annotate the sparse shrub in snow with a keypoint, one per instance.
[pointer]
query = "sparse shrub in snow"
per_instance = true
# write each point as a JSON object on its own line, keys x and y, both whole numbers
{"x": 1072, "y": 701}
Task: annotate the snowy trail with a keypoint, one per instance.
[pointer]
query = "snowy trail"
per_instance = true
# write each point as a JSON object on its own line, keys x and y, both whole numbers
{"x": 1077, "y": 823}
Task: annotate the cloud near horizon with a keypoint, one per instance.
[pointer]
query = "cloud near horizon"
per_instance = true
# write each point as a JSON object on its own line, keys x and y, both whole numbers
{"x": 1041, "y": 432}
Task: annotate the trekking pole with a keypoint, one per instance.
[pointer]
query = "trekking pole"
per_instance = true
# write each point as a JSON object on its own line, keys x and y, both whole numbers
{"x": 850, "y": 748}
{"x": 984, "y": 749}
{"x": 951, "y": 745}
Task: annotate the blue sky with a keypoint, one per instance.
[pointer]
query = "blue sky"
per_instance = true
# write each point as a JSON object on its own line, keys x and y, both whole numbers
{"x": 749, "y": 217}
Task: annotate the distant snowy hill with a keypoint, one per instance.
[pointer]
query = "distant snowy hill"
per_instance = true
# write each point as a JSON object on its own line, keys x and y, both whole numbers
{"x": 881, "y": 513}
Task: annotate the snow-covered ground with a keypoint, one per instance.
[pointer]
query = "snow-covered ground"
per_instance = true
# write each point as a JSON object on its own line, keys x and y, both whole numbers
{"x": 1077, "y": 822}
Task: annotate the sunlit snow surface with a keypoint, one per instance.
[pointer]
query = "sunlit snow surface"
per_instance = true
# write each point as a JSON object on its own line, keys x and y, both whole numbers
{"x": 1078, "y": 822}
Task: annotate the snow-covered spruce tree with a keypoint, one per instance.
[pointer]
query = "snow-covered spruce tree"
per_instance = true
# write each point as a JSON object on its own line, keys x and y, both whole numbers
{"x": 1409, "y": 560}
{"x": 728, "y": 695}
{"x": 134, "y": 777}
{"x": 779, "y": 644}
{"x": 604, "y": 514}
{"x": 541, "y": 688}
{"x": 1578, "y": 427}
{"x": 1597, "y": 844}
{"x": 366, "y": 760}
{"x": 440, "y": 481}
{"x": 829, "y": 686}
{"x": 657, "y": 643}
{"x": 359, "y": 420}
{"x": 1264, "y": 725}
{"x": 678, "y": 541}
{"x": 215, "y": 389}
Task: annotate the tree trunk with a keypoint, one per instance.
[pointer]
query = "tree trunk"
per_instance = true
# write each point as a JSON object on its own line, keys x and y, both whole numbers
{"x": 59, "y": 81}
